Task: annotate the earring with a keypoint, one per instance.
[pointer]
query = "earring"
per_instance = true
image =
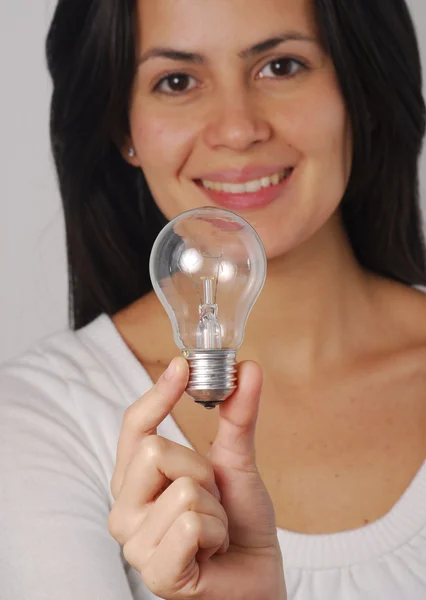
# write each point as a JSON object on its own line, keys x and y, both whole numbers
{"x": 131, "y": 152}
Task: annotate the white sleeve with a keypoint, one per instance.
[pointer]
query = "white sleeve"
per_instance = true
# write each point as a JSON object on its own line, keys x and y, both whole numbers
{"x": 54, "y": 539}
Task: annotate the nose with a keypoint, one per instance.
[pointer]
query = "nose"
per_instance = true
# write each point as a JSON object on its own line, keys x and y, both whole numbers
{"x": 235, "y": 122}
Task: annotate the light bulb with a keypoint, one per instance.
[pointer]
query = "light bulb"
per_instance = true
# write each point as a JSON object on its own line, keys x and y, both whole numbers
{"x": 208, "y": 267}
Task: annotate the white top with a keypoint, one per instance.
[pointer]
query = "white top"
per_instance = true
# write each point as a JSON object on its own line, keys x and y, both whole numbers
{"x": 61, "y": 410}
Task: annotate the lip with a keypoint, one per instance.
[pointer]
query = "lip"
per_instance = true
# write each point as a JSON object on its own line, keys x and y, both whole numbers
{"x": 247, "y": 201}
{"x": 222, "y": 224}
{"x": 242, "y": 175}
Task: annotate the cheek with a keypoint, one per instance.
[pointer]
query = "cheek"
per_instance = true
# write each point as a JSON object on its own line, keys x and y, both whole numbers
{"x": 162, "y": 144}
{"x": 328, "y": 148}
{"x": 320, "y": 129}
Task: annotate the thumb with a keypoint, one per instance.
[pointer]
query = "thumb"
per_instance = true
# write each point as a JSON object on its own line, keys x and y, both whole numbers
{"x": 234, "y": 445}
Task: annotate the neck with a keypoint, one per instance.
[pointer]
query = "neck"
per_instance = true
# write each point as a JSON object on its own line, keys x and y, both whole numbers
{"x": 315, "y": 303}
{"x": 315, "y": 310}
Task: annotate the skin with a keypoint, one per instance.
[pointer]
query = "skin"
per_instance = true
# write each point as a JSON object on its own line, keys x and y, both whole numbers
{"x": 237, "y": 113}
{"x": 342, "y": 352}
{"x": 179, "y": 515}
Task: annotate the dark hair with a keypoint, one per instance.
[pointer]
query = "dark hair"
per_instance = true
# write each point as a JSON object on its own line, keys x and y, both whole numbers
{"x": 110, "y": 215}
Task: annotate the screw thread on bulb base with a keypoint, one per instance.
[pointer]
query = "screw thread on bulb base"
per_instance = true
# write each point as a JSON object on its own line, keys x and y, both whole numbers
{"x": 212, "y": 375}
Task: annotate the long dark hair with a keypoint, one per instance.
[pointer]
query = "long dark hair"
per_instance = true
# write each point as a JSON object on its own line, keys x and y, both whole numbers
{"x": 110, "y": 215}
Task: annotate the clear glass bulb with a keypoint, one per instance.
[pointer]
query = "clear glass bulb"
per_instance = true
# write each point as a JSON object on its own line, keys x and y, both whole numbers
{"x": 208, "y": 267}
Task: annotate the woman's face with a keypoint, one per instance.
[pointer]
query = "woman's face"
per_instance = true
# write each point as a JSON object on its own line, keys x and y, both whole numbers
{"x": 229, "y": 98}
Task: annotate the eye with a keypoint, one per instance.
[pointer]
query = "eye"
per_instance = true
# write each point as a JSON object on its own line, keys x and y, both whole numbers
{"x": 175, "y": 83}
{"x": 282, "y": 67}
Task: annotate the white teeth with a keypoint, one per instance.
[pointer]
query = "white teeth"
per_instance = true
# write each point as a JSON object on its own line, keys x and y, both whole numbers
{"x": 254, "y": 186}
{"x": 249, "y": 186}
{"x": 235, "y": 188}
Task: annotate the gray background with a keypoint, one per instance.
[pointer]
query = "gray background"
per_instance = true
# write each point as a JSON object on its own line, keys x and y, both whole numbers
{"x": 33, "y": 279}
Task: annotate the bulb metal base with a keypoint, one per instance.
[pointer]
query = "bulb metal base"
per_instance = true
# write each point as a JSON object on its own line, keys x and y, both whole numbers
{"x": 212, "y": 375}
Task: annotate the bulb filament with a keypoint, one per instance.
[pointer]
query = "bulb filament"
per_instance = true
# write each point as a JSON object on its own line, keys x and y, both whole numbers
{"x": 209, "y": 335}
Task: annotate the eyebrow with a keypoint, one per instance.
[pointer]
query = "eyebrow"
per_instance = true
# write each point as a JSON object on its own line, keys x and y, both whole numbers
{"x": 259, "y": 48}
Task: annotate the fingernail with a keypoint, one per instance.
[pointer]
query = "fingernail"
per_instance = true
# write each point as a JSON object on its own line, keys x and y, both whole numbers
{"x": 171, "y": 370}
{"x": 217, "y": 493}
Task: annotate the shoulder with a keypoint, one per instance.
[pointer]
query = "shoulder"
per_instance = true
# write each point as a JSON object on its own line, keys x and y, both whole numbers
{"x": 85, "y": 375}
{"x": 401, "y": 316}
{"x": 403, "y": 306}
{"x": 67, "y": 395}
{"x": 58, "y": 360}
{"x": 46, "y": 363}
{"x": 42, "y": 414}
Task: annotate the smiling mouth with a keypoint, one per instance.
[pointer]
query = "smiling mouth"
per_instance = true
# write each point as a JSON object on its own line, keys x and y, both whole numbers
{"x": 247, "y": 187}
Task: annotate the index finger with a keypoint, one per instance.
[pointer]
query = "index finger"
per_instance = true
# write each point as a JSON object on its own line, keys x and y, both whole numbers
{"x": 144, "y": 416}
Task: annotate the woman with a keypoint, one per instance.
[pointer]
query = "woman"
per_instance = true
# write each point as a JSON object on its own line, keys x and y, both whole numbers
{"x": 161, "y": 106}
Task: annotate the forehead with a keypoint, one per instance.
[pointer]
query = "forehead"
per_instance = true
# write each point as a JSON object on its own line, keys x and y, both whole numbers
{"x": 203, "y": 23}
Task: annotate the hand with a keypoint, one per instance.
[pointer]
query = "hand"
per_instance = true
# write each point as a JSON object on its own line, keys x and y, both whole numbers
{"x": 196, "y": 527}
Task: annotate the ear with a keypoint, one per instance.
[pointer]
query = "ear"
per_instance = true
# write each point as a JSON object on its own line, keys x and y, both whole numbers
{"x": 126, "y": 148}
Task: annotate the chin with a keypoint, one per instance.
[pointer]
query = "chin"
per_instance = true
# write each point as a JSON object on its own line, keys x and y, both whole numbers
{"x": 284, "y": 234}
{"x": 283, "y": 225}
